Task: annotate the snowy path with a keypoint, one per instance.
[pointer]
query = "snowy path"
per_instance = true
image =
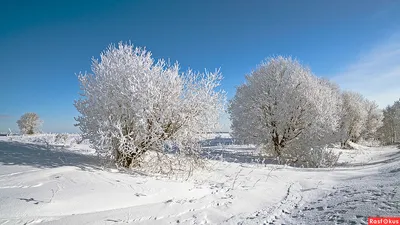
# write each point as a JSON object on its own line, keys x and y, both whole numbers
{"x": 372, "y": 194}
{"x": 38, "y": 185}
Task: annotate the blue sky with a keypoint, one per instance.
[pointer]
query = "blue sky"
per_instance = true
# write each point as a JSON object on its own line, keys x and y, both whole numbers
{"x": 45, "y": 43}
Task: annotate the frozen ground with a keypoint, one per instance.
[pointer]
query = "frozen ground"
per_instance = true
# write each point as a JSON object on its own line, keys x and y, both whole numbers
{"x": 48, "y": 181}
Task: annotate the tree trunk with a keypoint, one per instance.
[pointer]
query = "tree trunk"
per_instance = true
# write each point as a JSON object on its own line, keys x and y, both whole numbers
{"x": 278, "y": 145}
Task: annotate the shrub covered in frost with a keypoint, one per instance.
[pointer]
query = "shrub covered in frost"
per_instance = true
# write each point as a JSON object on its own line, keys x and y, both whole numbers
{"x": 132, "y": 105}
{"x": 29, "y": 123}
{"x": 61, "y": 138}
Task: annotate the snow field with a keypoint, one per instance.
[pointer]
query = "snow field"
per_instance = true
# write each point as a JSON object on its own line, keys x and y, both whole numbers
{"x": 44, "y": 183}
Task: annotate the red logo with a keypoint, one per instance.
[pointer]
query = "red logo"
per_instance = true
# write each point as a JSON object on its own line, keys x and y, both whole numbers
{"x": 383, "y": 220}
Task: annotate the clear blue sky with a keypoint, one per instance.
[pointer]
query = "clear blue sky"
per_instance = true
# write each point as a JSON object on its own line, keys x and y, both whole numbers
{"x": 43, "y": 44}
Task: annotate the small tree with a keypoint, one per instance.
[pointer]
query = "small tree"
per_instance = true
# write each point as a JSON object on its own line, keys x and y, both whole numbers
{"x": 285, "y": 108}
{"x": 132, "y": 105}
{"x": 29, "y": 123}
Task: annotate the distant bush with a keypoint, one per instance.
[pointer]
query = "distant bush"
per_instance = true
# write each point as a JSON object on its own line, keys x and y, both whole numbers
{"x": 29, "y": 123}
{"x": 61, "y": 138}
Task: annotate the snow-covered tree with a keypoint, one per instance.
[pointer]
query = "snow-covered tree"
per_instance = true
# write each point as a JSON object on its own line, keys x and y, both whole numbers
{"x": 354, "y": 116}
{"x": 361, "y": 118}
{"x": 132, "y": 105}
{"x": 390, "y": 131}
{"x": 373, "y": 120}
{"x": 289, "y": 111}
{"x": 29, "y": 123}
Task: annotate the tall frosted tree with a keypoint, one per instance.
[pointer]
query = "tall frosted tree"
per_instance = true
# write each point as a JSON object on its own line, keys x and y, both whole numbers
{"x": 133, "y": 105}
{"x": 361, "y": 118}
{"x": 389, "y": 133}
{"x": 293, "y": 114}
{"x": 373, "y": 121}
{"x": 354, "y": 116}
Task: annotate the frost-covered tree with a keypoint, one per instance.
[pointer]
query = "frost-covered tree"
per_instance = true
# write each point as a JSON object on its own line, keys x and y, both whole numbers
{"x": 132, "y": 105}
{"x": 289, "y": 111}
{"x": 390, "y": 131}
{"x": 29, "y": 123}
{"x": 354, "y": 116}
{"x": 361, "y": 118}
{"x": 373, "y": 120}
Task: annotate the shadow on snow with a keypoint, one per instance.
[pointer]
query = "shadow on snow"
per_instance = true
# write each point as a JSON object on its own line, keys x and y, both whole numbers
{"x": 16, "y": 153}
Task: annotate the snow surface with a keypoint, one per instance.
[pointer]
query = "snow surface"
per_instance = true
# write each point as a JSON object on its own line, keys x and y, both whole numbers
{"x": 43, "y": 181}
